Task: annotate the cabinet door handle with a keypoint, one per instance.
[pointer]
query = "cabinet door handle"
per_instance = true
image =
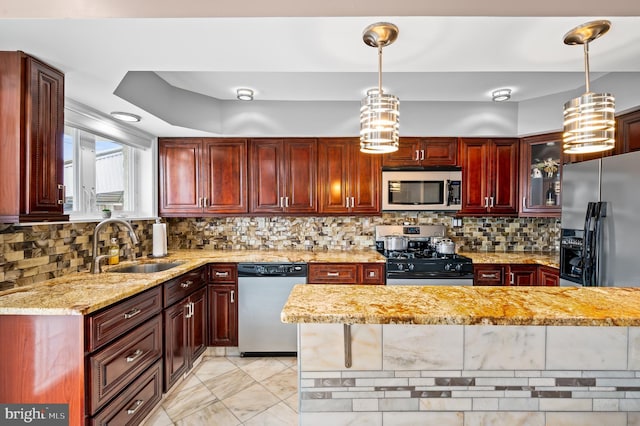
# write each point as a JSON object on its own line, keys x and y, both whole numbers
{"x": 186, "y": 284}
{"x": 486, "y": 202}
{"x": 221, "y": 274}
{"x": 135, "y": 355}
{"x": 199, "y": 201}
{"x": 233, "y": 296}
{"x": 511, "y": 281}
{"x": 188, "y": 308}
{"x": 422, "y": 154}
{"x": 134, "y": 407}
{"x": 63, "y": 193}
{"x": 205, "y": 202}
{"x": 132, "y": 313}
{"x": 417, "y": 155}
{"x": 333, "y": 274}
{"x": 524, "y": 202}
{"x": 346, "y": 200}
{"x": 494, "y": 275}
{"x": 286, "y": 201}
{"x": 491, "y": 198}
{"x": 353, "y": 202}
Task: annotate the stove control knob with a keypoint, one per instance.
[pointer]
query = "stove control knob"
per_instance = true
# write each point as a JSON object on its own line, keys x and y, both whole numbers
{"x": 448, "y": 267}
{"x": 459, "y": 267}
{"x": 411, "y": 266}
{"x": 400, "y": 266}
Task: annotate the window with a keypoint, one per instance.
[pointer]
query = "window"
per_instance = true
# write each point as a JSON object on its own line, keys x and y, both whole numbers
{"x": 102, "y": 172}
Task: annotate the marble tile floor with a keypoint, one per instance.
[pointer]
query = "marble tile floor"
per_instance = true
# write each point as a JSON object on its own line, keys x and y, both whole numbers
{"x": 231, "y": 391}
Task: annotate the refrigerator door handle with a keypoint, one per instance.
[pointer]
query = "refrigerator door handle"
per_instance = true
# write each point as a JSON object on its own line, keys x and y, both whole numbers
{"x": 599, "y": 213}
{"x": 587, "y": 245}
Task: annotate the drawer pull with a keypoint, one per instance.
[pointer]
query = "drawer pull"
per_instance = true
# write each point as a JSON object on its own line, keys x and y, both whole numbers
{"x": 222, "y": 274}
{"x": 333, "y": 274}
{"x": 134, "y": 407}
{"x": 494, "y": 275}
{"x": 186, "y": 284}
{"x": 132, "y": 313}
{"x": 137, "y": 354}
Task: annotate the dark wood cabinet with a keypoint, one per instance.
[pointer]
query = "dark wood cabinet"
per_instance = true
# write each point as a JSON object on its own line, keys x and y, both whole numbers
{"x": 346, "y": 273}
{"x": 490, "y": 176}
{"x": 283, "y": 175}
{"x": 32, "y": 129}
{"x": 549, "y": 276}
{"x": 223, "y": 304}
{"x": 423, "y": 152}
{"x": 514, "y": 275}
{"x": 540, "y": 175}
{"x": 202, "y": 176}
{"x": 349, "y": 181}
{"x": 185, "y": 322}
{"x": 628, "y": 132}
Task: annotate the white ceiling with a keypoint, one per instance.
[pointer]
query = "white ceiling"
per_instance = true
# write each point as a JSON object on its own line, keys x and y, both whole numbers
{"x": 317, "y": 58}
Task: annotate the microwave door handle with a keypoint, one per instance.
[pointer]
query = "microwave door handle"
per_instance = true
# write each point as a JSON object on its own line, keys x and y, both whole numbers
{"x": 448, "y": 191}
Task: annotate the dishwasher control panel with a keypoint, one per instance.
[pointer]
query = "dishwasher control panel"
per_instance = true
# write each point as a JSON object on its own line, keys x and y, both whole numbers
{"x": 272, "y": 270}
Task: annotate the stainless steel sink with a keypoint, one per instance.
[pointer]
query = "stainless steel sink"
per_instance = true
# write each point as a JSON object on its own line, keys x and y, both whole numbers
{"x": 146, "y": 268}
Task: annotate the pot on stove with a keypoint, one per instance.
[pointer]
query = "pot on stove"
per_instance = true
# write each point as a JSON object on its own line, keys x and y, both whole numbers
{"x": 395, "y": 242}
{"x": 446, "y": 246}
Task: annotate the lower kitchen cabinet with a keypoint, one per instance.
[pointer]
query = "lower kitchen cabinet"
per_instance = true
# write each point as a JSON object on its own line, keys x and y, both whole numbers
{"x": 489, "y": 274}
{"x": 549, "y": 276}
{"x": 222, "y": 293}
{"x": 346, "y": 273}
{"x": 185, "y": 322}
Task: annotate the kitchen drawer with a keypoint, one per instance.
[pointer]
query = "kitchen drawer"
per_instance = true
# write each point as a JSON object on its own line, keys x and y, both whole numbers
{"x": 223, "y": 273}
{"x": 373, "y": 273}
{"x": 489, "y": 274}
{"x": 112, "y": 322}
{"x": 182, "y": 286}
{"x": 116, "y": 365}
{"x": 333, "y": 273}
{"x": 133, "y": 405}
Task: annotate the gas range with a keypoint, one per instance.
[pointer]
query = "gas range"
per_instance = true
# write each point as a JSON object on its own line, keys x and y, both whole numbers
{"x": 420, "y": 263}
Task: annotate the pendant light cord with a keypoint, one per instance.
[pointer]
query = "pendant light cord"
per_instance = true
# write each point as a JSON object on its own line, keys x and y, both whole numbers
{"x": 586, "y": 67}
{"x": 380, "y": 69}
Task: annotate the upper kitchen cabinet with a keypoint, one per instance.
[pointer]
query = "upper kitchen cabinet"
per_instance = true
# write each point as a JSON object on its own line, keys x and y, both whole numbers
{"x": 540, "y": 175}
{"x": 202, "y": 176}
{"x": 423, "y": 152}
{"x": 489, "y": 176}
{"x": 283, "y": 175}
{"x": 31, "y": 132}
{"x": 349, "y": 180}
{"x": 628, "y": 132}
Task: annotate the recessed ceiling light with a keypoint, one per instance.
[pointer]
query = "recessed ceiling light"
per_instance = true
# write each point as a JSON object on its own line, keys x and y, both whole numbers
{"x": 244, "y": 94}
{"x": 501, "y": 95}
{"x": 125, "y": 116}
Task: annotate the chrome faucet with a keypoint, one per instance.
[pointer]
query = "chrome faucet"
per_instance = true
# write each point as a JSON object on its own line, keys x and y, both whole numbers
{"x": 95, "y": 264}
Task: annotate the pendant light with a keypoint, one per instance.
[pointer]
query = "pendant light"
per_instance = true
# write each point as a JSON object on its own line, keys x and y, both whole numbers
{"x": 379, "y": 114}
{"x": 589, "y": 123}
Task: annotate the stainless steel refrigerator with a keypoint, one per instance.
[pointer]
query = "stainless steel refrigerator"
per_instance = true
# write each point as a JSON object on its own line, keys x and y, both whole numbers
{"x": 600, "y": 237}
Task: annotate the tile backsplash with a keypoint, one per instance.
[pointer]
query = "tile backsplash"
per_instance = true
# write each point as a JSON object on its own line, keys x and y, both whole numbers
{"x": 30, "y": 254}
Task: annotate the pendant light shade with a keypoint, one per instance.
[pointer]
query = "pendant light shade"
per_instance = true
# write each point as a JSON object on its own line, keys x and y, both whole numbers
{"x": 379, "y": 112}
{"x": 589, "y": 120}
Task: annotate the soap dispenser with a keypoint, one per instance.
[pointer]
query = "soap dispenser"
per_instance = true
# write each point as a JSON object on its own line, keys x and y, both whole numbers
{"x": 114, "y": 252}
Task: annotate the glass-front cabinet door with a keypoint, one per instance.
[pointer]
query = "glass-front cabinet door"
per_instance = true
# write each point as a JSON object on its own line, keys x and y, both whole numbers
{"x": 541, "y": 175}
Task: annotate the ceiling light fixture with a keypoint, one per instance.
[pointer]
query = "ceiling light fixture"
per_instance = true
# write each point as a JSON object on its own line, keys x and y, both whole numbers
{"x": 244, "y": 94}
{"x": 379, "y": 112}
{"x": 126, "y": 116}
{"x": 589, "y": 122}
{"x": 501, "y": 95}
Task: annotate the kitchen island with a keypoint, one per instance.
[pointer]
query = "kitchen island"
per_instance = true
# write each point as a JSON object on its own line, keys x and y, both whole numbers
{"x": 467, "y": 355}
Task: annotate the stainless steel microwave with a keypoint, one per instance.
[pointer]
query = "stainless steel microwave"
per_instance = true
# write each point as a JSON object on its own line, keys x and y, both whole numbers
{"x": 422, "y": 190}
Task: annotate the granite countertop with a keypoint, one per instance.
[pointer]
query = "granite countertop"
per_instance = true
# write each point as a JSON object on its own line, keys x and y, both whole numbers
{"x": 463, "y": 305}
{"x": 82, "y": 293}
{"x": 536, "y": 258}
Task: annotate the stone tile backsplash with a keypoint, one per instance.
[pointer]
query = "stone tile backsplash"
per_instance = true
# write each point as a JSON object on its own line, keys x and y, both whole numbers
{"x": 30, "y": 254}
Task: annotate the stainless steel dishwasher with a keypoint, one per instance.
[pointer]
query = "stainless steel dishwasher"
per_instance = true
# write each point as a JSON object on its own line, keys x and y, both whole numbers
{"x": 263, "y": 289}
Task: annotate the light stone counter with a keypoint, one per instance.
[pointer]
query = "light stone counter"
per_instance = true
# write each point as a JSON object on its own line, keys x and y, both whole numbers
{"x": 460, "y": 356}
{"x": 535, "y": 258}
{"x": 82, "y": 293}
